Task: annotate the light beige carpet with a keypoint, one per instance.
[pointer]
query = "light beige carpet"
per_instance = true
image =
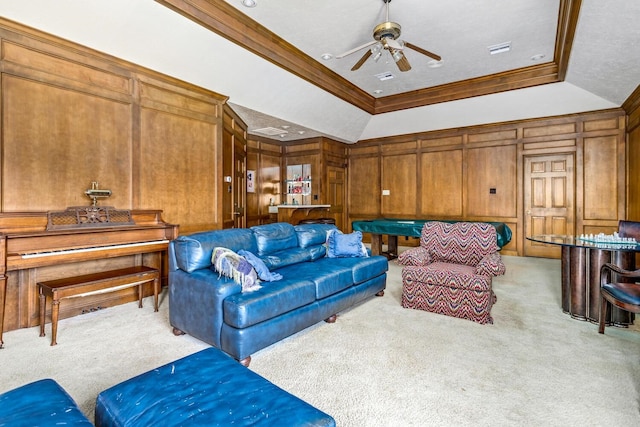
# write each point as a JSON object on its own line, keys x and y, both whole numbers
{"x": 381, "y": 364}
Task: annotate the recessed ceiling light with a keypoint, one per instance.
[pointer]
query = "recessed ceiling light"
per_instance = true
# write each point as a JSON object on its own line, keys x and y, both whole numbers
{"x": 435, "y": 64}
{"x": 537, "y": 57}
{"x": 377, "y": 91}
{"x": 285, "y": 126}
{"x": 326, "y": 56}
{"x": 249, "y": 3}
{"x": 301, "y": 132}
{"x": 499, "y": 48}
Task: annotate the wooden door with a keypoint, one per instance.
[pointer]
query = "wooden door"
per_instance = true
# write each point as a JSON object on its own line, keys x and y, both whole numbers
{"x": 336, "y": 192}
{"x": 548, "y": 200}
{"x": 240, "y": 187}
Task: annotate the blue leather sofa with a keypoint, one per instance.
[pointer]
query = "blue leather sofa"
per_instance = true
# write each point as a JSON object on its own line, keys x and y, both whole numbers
{"x": 314, "y": 287}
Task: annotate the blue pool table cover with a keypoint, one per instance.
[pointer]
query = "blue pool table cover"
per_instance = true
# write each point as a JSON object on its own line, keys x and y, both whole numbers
{"x": 413, "y": 228}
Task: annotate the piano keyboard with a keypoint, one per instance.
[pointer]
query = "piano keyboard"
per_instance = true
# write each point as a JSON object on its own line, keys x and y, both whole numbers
{"x": 91, "y": 249}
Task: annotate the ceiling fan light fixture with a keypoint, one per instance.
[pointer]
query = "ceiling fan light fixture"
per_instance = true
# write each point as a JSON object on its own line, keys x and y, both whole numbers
{"x": 397, "y": 55}
{"x": 376, "y": 48}
{"x": 377, "y": 56}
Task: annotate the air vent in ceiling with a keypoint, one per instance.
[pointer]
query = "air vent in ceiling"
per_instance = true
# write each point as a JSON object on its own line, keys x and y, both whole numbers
{"x": 387, "y": 75}
{"x": 271, "y": 131}
{"x": 499, "y": 48}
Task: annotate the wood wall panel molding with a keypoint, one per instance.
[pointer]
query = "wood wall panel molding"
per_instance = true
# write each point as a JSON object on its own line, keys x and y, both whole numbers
{"x": 492, "y": 156}
{"x": 72, "y": 115}
{"x": 63, "y": 69}
{"x": 441, "y": 189}
{"x": 53, "y": 148}
{"x": 179, "y": 174}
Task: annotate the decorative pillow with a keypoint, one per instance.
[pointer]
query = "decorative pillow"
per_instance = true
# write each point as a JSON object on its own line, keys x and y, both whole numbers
{"x": 345, "y": 245}
{"x": 260, "y": 267}
{"x": 229, "y": 264}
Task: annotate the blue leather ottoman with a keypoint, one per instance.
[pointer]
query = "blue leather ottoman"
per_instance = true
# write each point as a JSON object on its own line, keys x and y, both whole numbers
{"x": 40, "y": 403}
{"x": 207, "y": 388}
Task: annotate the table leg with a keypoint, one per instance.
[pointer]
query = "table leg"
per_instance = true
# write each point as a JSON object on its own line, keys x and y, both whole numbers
{"x": 3, "y": 298}
{"x": 578, "y": 283}
{"x": 376, "y": 244}
{"x": 392, "y": 247}
{"x": 156, "y": 291}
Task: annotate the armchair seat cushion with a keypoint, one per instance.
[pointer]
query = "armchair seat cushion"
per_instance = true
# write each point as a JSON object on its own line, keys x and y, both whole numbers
{"x": 451, "y": 275}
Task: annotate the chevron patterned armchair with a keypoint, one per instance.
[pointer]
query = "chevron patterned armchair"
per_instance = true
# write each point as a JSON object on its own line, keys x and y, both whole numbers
{"x": 451, "y": 271}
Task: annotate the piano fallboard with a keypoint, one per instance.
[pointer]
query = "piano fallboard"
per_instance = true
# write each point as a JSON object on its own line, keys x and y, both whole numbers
{"x": 32, "y": 250}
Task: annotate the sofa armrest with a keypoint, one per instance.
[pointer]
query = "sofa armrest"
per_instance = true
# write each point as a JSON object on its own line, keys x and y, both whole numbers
{"x": 195, "y": 302}
{"x": 491, "y": 265}
{"x": 415, "y": 256}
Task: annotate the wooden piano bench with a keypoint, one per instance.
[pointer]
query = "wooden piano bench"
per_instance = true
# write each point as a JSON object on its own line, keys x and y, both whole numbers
{"x": 91, "y": 284}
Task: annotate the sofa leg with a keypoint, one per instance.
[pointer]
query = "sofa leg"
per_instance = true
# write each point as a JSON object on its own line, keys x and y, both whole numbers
{"x": 380, "y": 294}
{"x": 331, "y": 319}
{"x": 245, "y": 362}
{"x": 177, "y": 332}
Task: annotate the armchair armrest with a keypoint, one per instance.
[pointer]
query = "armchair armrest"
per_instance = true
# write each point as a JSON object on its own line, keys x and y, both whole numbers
{"x": 491, "y": 265}
{"x": 612, "y": 268}
{"x": 415, "y": 256}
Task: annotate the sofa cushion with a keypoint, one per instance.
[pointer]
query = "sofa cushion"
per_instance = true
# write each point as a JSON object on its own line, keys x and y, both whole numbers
{"x": 328, "y": 277}
{"x": 313, "y": 234}
{"x": 293, "y": 256}
{"x": 275, "y": 298}
{"x": 195, "y": 250}
{"x": 362, "y": 269}
{"x": 274, "y": 237}
{"x": 345, "y": 245}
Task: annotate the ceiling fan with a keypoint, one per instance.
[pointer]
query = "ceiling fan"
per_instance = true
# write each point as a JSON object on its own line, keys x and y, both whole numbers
{"x": 386, "y": 37}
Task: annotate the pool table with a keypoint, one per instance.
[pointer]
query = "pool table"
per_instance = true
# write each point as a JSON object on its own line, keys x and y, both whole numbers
{"x": 393, "y": 228}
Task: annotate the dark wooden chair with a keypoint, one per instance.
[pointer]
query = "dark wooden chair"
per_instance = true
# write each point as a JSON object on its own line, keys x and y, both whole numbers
{"x": 613, "y": 290}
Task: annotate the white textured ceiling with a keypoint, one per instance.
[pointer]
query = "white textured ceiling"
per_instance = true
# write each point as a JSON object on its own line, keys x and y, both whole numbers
{"x": 602, "y": 73}
{"x": 459, "y": 31}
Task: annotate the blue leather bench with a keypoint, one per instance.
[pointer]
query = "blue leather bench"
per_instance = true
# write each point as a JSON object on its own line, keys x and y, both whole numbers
{"x": 206, "y": 388}
{"x": 40, "y": 403}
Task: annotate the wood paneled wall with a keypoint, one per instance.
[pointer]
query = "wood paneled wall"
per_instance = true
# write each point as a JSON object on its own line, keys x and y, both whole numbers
{"x": 477, "y": 173}
{"x": 263, "y": 156}
{"x": 71, "y": 115}
{"x": 632, "y": 108}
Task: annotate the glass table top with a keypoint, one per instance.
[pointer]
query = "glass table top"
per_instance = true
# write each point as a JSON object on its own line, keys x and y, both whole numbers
{"x": 585, "y": 242}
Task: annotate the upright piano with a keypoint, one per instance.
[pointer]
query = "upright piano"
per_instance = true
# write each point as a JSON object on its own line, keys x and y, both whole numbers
{"x": 39, "y": 246}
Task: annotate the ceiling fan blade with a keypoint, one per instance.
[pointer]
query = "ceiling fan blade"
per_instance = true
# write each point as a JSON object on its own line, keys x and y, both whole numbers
{"x": 403, "y": 64}
{"x": 354, "y": 50}
{"x": 362, "y": 60}
{"x": 422, "y": 51}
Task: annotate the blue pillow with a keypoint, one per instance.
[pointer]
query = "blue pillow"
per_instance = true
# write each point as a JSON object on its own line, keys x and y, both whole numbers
{"x": 345, "y": 245}
{"x": 259, "y": 266}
